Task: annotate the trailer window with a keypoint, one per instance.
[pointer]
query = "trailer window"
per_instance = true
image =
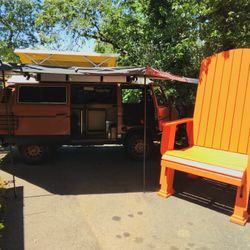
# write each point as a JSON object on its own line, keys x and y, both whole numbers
{"x": 29, "y": 94}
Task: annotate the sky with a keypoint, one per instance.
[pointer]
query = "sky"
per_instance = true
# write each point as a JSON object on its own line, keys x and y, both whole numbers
{"x": 67, "y": 42}
{"x": 88, "y": 47}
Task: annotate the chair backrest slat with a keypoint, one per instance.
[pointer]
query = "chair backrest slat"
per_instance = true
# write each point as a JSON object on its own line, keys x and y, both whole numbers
{"x": 222, "y": 109}
{"x": 241, "y": 126}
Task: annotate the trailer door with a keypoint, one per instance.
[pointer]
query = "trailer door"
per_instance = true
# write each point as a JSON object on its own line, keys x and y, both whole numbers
{"x": 161, "y": 106}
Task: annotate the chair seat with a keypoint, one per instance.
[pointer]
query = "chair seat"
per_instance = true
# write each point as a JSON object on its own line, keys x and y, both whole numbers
{"x": 223, "y": 162}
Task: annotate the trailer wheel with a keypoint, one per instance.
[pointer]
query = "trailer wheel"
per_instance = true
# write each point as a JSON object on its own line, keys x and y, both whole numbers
{"x": 33, "y": 154}
{"x": 134, "y": 145}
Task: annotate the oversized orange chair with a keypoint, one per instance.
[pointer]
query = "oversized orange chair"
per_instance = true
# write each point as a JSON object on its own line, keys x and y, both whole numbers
{"x": 219, "y": 132}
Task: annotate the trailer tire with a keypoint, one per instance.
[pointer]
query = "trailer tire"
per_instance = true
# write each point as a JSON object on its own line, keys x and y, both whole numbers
{"x": 134, "y": 145}
{"x": 33, "y": 154}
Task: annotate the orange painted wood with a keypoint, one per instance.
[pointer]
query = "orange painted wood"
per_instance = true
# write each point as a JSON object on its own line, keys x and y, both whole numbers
{"x": 199, "y": 97}
{"x": 213, "y": 114}
{"x": 240, "y": 215}
{"x": 169, "y": 130}
{"x": 190, "y": 134}
{"x": 242, "y": 104}
{"x": 244, "y": 130}
{"x": 223, "y": 102}
{"x": 168, "y": 138}
{"x": 248, "y": 150}
{"x": 203, "y": 173}
{"x": 234, "y": 86}
{"x": 221, "y": 121}
{"x": 178, "y": 122}
{"x": 204, "y": 115}
{"x": 167, "y": 183}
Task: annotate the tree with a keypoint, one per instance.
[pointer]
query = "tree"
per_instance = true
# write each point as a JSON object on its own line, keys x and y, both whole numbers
{"x": 170, "y": 35}
{"x": 161, "y": 33}
{"x": 17, "y": 26}
{"x": 225, "y": 25}
{"x": 76, "y": 20}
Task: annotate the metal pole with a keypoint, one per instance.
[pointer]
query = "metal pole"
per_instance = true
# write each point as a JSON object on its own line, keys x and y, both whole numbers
{"x": 9, "y": 133}
{"x": 144, "y": 135}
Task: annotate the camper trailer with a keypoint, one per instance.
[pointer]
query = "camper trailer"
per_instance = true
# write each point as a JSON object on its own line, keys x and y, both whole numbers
{"x": 43, "y": 107}
{"x": 46, "y": 113}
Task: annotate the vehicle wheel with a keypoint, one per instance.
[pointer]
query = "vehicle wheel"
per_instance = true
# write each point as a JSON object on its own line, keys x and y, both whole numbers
{"x": 33, "y": 154}
{"x": 134, "y": 145}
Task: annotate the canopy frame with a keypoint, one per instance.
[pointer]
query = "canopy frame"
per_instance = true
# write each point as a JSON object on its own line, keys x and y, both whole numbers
{"x": 65, "y": 58}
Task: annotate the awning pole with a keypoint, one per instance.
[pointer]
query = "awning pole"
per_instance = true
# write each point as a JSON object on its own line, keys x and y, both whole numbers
{"x": 144, "y": 135}
{"x": 9, "y": 133}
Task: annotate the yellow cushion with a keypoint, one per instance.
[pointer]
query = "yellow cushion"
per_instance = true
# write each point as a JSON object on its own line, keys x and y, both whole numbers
{"x": 225, "y": 162}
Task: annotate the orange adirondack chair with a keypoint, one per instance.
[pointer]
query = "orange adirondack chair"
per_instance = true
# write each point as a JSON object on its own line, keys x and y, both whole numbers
{"x": 219, "y": 132}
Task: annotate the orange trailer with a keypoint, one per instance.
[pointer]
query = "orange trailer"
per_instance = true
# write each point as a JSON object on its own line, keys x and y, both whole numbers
{"x": 43, "y": 107}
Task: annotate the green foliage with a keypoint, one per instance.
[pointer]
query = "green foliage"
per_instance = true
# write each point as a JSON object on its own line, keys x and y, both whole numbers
{"x": 76, "y": 20}
{"x": 17, "y": 26}
{"x": 170, "y": 35}
{"x": 225, "y": 25}
{"x": 142, "y": 32}
{"x": 132, "y": 96}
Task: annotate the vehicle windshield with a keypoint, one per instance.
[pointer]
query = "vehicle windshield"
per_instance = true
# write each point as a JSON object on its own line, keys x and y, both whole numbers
{"x": 160, "y": 96}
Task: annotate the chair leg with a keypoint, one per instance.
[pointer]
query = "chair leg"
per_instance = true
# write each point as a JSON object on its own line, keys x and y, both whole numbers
{"x": 240, "y": 215}
{"x": 166, "y": 182}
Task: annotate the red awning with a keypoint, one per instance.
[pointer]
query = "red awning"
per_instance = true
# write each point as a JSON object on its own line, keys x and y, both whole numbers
{"x": 157, "y": 74}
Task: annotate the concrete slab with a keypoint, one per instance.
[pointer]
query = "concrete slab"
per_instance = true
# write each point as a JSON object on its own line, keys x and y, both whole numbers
{"x": 91, "y": 198}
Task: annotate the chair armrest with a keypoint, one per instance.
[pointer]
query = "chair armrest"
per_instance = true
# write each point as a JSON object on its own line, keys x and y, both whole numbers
{"x": 177, "y": 122}
{"x": 169, "y": 131}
